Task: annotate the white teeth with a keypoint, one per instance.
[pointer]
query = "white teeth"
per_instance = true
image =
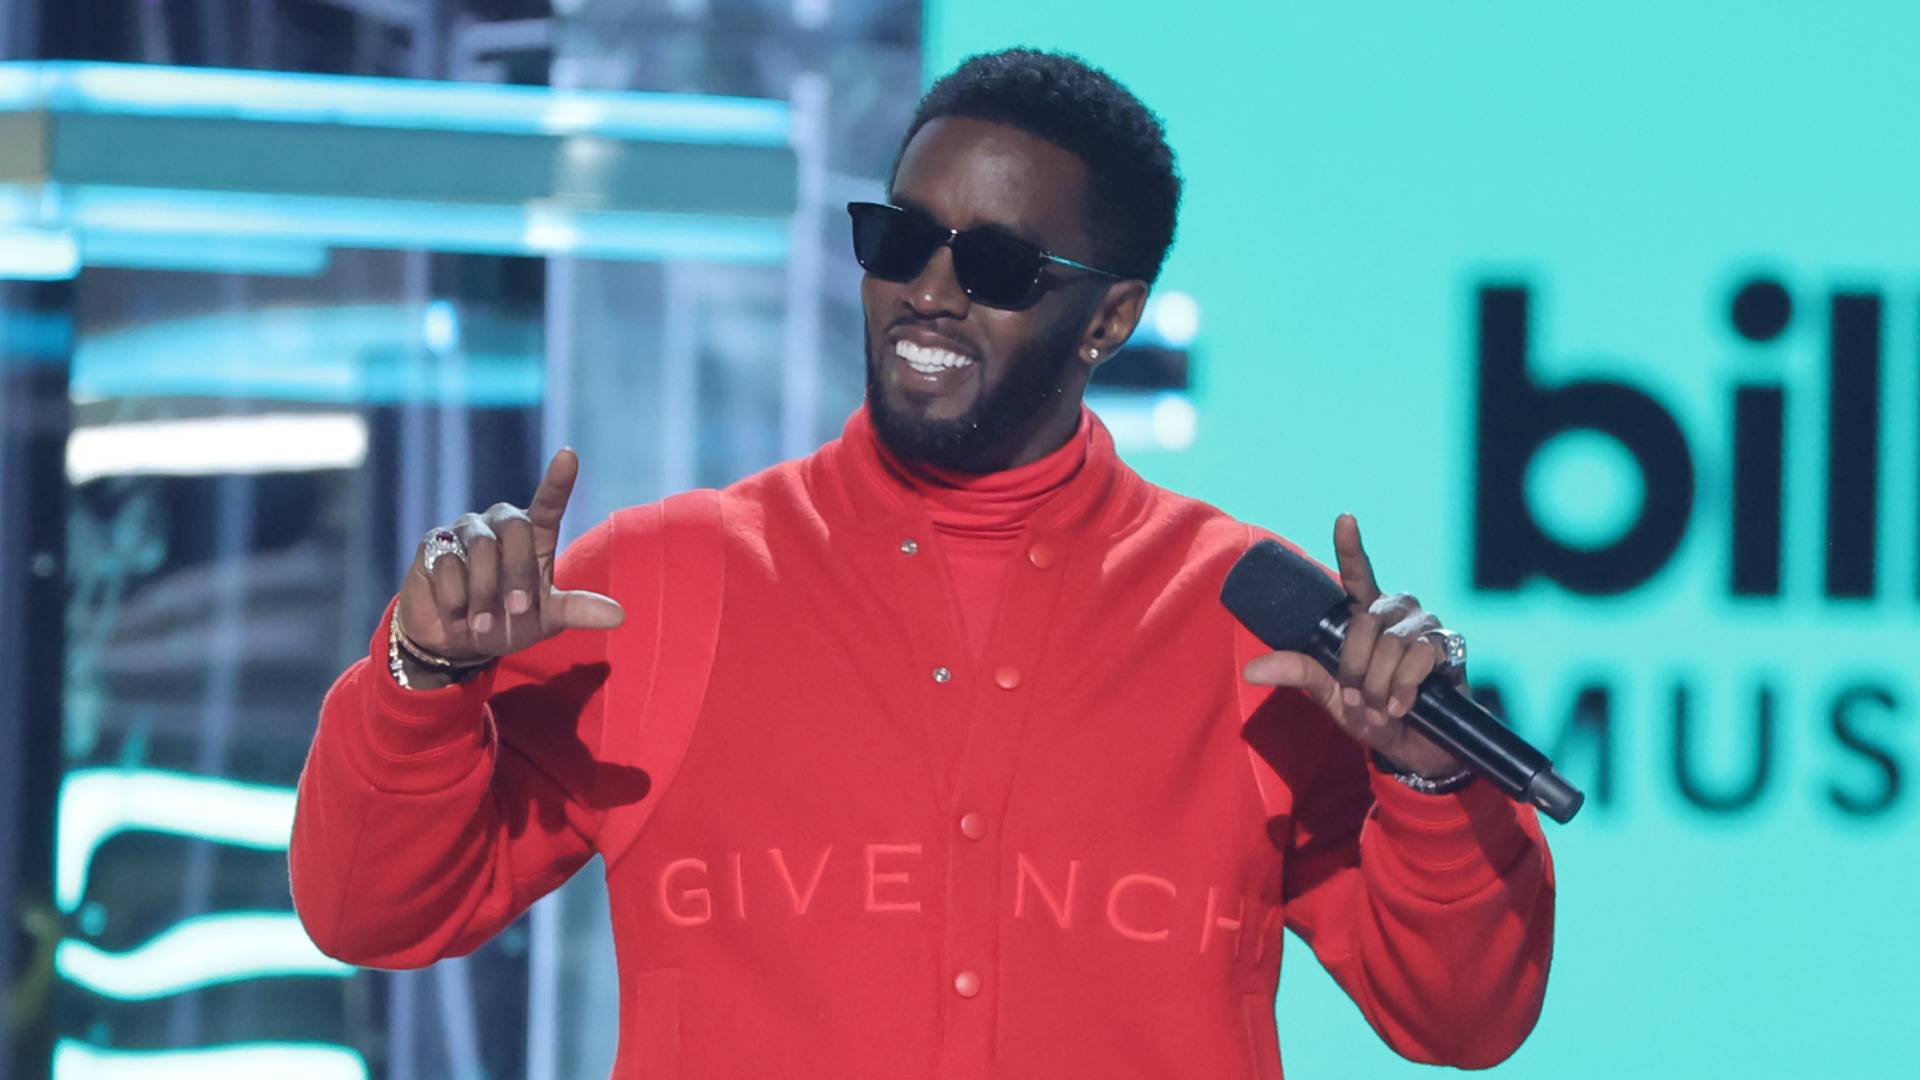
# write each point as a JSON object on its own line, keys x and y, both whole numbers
{"x": 928, "y": 361}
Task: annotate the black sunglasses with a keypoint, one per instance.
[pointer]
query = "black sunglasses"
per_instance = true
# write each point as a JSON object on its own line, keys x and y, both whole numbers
{"x": 994, "y": 268}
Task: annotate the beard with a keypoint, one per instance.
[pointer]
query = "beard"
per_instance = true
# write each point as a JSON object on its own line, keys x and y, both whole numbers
{"x": 977, "y": 440}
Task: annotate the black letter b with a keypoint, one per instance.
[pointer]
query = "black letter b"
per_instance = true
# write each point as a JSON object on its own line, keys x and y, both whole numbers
{"x": 1516, "y": 417}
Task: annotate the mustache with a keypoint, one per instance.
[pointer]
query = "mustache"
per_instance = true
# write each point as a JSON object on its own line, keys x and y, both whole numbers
{"x": 947, "y": 328}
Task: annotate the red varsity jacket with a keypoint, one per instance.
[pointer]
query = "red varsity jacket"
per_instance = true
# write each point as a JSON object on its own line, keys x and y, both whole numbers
{"x": 836, "y": 847}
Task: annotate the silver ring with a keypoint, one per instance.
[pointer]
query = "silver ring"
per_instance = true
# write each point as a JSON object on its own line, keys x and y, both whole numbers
{"x": 1450, "y": 649}
{"x": 442, "y": 542}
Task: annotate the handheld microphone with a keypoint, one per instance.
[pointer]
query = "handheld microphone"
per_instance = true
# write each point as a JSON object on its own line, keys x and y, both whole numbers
{"x": 1293, "y": 605}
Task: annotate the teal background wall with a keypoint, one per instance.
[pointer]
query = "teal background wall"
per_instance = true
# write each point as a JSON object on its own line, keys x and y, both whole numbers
{"x": 1355, "y": 173}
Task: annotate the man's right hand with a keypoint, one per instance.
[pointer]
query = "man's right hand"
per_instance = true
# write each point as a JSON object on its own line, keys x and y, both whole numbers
{"x": 500, "y": 598}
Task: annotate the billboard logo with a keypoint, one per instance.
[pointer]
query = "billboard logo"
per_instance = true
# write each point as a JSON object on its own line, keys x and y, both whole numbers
{"x": 1853, "y": 715}
{"x": 1517, "y": 416}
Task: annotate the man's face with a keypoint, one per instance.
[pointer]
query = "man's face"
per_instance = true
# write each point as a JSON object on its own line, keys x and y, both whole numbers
{"x": 1014, "y": 392}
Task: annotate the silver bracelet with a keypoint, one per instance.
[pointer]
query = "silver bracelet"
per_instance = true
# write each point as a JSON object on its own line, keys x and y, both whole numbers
{"x": 396, "y": 646}
{"x": 394, "y": 663}
{"x": 1445, "y": 785}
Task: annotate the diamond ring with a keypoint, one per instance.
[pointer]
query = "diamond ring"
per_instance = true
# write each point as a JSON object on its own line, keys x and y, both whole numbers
{"x": 442, "y": 542}
{"x": 1450, "y": 648}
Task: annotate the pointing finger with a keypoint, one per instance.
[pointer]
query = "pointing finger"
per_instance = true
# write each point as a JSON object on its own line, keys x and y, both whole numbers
{"x": 1356, "y": 570}
{"x": 550, "y": 499}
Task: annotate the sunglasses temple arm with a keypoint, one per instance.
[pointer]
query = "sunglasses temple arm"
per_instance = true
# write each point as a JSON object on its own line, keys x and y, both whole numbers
{"x": 1064, "y": 261}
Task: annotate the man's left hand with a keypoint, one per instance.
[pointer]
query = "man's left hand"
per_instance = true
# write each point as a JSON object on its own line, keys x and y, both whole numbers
{"x": 1385, "y": 657}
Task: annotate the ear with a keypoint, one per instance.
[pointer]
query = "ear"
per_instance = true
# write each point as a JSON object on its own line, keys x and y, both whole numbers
{"x": 1113, "y": 321}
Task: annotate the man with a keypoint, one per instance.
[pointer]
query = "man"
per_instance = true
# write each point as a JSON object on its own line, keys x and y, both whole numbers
{"x": 924, "y": 755}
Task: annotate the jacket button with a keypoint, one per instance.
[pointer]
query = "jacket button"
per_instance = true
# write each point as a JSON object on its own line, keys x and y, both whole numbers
{"x": 1008, "y": 677}
{"x": 909, "y": 546}
{"x": 942, "y": 674}
{"x": 966, "y": 984}
{"x": 1042, "y": 555}
{"x": 973, "y": 826}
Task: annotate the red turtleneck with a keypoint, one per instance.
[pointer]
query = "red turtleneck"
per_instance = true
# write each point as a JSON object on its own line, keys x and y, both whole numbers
{"x": 980, "y": 519}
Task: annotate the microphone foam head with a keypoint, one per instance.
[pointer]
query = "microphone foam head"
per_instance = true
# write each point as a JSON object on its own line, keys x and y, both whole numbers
{"x": 1279, "y": 594}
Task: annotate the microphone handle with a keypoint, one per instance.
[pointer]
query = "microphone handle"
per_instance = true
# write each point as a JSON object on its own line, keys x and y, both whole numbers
{"x": 1469, "y": 732}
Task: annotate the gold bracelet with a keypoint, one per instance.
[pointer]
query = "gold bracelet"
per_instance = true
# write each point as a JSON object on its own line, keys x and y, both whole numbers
{"x": 400, "y": 642}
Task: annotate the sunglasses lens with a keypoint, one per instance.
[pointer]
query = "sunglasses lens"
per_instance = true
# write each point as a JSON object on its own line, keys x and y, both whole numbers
{"x": 892, "y": 244}
{"x": 996, "y": 270}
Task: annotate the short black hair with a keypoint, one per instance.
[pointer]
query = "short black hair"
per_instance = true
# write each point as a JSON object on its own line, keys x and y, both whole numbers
{"x": 1133, "y": 188}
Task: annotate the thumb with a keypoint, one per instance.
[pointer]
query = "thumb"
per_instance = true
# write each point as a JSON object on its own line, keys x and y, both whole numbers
{"x": 1292, "y": 669}
{"x": 582, "y": 610}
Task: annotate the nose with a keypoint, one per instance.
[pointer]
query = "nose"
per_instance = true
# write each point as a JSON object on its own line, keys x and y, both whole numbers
{"x": 935, "y": 291}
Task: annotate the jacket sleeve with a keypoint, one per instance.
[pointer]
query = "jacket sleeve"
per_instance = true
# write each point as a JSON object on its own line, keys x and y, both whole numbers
{"x": 429, "y": 820}
{"x": 1433, "y": 912}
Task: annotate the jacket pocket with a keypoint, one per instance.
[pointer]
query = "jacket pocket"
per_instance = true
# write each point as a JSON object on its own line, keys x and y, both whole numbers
{"x": 1263, "y": 1036}
{"x": 649, "y": 1026}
